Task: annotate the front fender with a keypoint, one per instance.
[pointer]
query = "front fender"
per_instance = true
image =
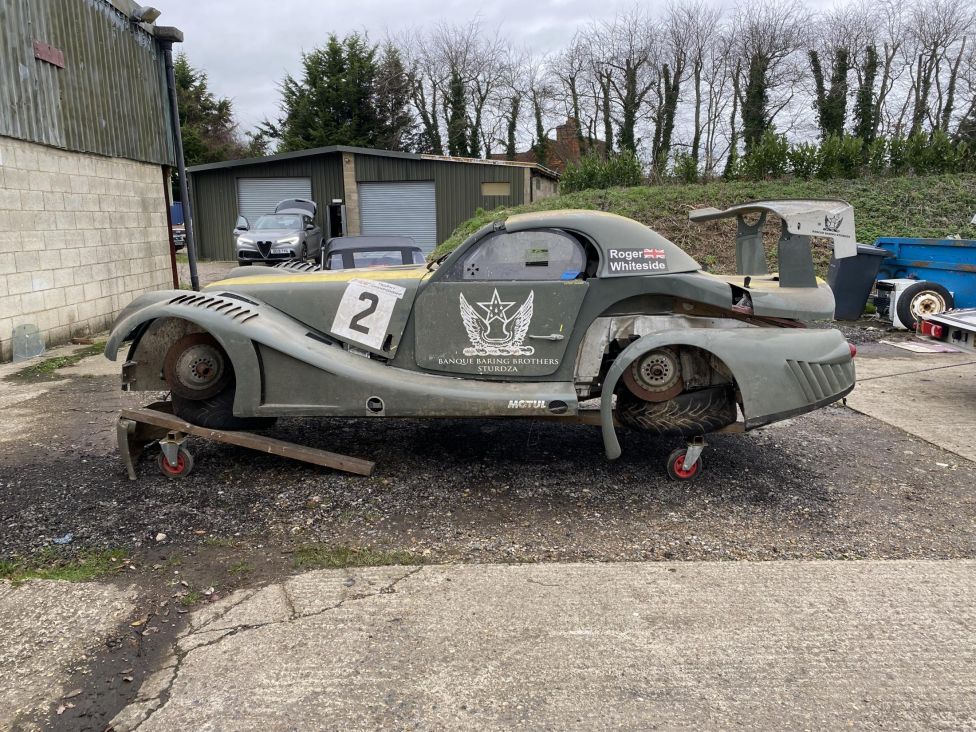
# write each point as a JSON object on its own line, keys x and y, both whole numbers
{"x": 225, "y": 318}
{"x": 779, "y": 372}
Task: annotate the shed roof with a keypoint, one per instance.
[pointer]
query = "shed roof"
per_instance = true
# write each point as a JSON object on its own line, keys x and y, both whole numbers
{"x": 369, "y": 151}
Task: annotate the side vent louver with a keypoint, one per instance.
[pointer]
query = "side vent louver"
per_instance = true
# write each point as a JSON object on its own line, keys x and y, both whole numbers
{"x": 223, "y": 305}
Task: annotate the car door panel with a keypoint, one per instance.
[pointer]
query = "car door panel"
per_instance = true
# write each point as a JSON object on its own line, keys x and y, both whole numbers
{"x": 504, "y": 329}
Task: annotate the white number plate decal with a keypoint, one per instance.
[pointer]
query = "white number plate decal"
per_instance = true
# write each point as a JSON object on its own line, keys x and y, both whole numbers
{"x": 365, "y": 311}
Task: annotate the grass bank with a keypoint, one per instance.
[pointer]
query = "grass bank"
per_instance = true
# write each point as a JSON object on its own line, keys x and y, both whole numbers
{"x": 931, "y": 206}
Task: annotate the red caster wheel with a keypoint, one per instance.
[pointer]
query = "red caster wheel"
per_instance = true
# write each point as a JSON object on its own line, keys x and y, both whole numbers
{"x": 184, "y": 464}
{"x": 678, "y": 470}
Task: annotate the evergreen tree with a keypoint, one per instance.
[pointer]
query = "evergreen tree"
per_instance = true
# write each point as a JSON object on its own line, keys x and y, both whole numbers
{"x": 864, "y": 109}
{"x": 755, "y": 105}
{"x": 512, "y": 126}
{"x": 333, "y": 103}
{"x": 398, "y": 130}
{"x": 831, "y": 103}
{"x": 207, "y": 122}
{"x": 457, "y": 116}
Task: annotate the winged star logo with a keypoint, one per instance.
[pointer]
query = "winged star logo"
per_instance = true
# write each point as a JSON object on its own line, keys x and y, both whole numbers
{"x": 832, "y": 223}
{"x": 496, "y": 333}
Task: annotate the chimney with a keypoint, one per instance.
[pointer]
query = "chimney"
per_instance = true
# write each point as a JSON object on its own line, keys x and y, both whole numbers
{"x": 567, "y": 138}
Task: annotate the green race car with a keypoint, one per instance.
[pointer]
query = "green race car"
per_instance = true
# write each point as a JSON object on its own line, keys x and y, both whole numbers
{"x": 529, "y": 317}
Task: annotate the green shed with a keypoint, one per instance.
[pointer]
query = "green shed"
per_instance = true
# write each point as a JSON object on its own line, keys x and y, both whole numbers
{"x": 360, "y": 191}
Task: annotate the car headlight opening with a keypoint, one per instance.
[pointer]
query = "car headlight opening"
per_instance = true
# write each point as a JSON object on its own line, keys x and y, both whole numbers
{"x": 289, "y": 240}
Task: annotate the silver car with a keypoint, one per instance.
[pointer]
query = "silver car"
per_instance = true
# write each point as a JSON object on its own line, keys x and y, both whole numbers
{"x": 287, "y": 234}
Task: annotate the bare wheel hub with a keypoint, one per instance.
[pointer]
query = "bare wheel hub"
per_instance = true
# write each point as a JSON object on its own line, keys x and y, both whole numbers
{"x": 656, "y": 376}
{"x": 928, "y": 303}
{"x": 196, "y": 367}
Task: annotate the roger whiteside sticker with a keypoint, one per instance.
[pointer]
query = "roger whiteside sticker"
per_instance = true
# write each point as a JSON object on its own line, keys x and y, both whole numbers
{"x": 365, "y": 312}
{"x": 636, "y": 261}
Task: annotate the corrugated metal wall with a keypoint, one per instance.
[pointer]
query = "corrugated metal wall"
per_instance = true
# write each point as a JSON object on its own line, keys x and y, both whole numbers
{"x": 458, "y": 185}
{"x": 214, "y": 197}
{"x": 110, "y": 97}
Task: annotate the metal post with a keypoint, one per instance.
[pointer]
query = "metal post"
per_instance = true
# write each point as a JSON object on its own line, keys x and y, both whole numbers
{"x": 191, "y": 251}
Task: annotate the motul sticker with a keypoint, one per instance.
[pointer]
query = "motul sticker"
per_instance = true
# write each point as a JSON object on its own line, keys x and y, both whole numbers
{"x": 621, "y": 261}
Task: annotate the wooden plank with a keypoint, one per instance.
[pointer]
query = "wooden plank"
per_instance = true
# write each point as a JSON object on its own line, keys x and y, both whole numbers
{"x": 251, "y": 441}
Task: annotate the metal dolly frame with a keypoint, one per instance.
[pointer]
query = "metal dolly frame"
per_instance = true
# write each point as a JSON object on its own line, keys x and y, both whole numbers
{"x": 138, "y": 428}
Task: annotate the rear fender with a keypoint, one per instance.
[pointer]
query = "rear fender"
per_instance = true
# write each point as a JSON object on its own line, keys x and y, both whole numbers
{"x": 770, "y": 366}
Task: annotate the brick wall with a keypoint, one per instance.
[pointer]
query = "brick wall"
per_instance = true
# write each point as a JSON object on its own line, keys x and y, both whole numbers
{"x": 80, "y": 236}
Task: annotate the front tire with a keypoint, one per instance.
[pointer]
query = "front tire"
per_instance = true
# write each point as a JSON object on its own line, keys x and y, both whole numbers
{"x": 217, "y": 413}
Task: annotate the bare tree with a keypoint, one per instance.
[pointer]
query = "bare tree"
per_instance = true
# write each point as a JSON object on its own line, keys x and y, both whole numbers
{"x": 626, "y": 56}
{"x": 768, "y": 37}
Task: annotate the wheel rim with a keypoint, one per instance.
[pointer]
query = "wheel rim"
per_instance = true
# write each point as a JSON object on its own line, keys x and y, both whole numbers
{"x": 196, "y": 367}
{"x": 199, "y": 367}
{"x": 656, "y": 376}
{"x": 681, "y": 471}
{"x": 174, "y": 469}
{"x": 928, "y": 303}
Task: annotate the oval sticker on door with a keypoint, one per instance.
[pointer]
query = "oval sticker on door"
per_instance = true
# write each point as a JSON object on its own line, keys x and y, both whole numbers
{"x": 365, "y": 312}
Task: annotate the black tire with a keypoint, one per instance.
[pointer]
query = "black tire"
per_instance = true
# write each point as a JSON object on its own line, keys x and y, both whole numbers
{"x": 304, "y": 256}
{"x": 217, "y": 413}
{"x": 687, "y": 415}
{"x": 922, "y": 298}
{"x": 244, "y": 262}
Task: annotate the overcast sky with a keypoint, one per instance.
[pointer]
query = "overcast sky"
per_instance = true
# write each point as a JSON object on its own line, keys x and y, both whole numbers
{"x": 247, "y": 46}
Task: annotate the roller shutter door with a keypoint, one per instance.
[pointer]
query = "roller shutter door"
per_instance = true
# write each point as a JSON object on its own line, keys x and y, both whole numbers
{"x": 259, "y": 196}
{"x": 403, "y": 209}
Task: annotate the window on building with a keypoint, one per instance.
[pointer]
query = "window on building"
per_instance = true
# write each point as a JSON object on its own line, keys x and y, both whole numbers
{"x": 543, "y": 254}
{"x": 503, "y": 188}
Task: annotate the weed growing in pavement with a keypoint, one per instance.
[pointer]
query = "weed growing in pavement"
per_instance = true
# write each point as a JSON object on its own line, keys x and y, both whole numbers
{"x": 53, "y": 564}
{"x": 221, "y": 542}
{"x": 191, "y": 598}
{"x": 48, "y": 366}
{"x": 241, "y": 568}
{"x": 321, "y": 556}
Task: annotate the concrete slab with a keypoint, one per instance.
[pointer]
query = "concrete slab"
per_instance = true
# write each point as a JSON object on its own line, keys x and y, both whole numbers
{"x": 627, "y": 646}
{"x": 48, "y": 630}
{"x": 931, "y": 396}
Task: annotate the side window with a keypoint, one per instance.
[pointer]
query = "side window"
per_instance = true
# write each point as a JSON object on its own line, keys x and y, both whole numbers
{"x": 335, "y": 261}
{"x": 544, "y": 254}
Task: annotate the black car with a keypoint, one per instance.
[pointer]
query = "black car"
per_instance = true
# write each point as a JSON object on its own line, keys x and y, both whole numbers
{"x": 357, "y": 252}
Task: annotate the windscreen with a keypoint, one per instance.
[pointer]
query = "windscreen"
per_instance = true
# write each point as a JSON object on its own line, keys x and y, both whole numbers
{"x": 278, "y": 221}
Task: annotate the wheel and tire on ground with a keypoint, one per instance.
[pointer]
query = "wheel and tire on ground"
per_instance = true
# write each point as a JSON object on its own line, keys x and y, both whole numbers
{"x": 922, "y": 299}
{"x": 184, "y": 464}
{"x": 201, "y": 379}
{"x": 678, "y": 470}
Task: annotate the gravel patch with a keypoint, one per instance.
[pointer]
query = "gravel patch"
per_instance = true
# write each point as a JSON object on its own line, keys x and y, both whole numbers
{"x": 832, "y": 484}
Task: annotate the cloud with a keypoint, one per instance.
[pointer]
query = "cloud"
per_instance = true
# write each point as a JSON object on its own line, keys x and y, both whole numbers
{"x": 247, "y": 46}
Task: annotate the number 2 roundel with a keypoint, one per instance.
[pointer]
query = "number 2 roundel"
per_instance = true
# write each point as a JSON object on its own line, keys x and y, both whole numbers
{"x": 365, "y": 311}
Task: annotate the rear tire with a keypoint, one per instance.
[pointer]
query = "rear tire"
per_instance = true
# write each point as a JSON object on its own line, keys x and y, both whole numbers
{"x": 922, "y": 299}
{"x": 217, "y": 413}
{"x": 686, "y": 415}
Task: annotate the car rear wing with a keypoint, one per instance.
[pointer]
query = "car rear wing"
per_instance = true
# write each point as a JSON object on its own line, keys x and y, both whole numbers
{"x": 801, "y": 219}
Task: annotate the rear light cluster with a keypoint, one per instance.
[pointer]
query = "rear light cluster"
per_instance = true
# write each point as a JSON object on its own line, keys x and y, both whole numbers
{"x": 853, "y": 349}
{"x": 933, "y": 330}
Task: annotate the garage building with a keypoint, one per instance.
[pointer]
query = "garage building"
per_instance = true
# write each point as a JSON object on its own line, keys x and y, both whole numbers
{"x": 359, "y": 191}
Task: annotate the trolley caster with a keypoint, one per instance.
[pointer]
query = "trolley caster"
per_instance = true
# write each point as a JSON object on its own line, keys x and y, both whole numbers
{"x": 685, "y": 463}
{"x": 174, "y": 460}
